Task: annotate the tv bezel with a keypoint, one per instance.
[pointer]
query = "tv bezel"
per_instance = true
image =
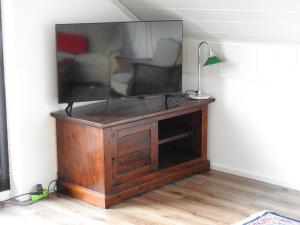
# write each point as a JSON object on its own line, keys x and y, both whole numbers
{"x": 110, "y": 97}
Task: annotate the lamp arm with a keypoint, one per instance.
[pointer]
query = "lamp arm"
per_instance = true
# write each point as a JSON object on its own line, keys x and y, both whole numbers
{"x": 199, "y": 65}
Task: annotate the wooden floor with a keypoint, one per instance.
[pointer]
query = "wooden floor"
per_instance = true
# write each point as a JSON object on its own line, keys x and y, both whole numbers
{"x": 210, "y": 198}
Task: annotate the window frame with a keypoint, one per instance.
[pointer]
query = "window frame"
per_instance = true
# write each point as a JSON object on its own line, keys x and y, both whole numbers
{"x": 4, "y": 164}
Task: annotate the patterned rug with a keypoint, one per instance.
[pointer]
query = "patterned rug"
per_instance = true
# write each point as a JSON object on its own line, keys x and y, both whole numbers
{"x": 268, "y": 218}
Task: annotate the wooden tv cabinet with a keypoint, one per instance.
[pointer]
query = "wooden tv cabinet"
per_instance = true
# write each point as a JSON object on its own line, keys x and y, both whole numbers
{"x": 110, "y": 152}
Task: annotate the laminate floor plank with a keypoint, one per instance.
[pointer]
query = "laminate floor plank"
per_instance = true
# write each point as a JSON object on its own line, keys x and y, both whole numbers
{"x": 212, "y": 198}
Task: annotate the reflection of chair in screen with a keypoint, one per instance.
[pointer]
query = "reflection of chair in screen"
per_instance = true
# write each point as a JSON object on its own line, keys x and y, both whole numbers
{"x": 160, "y": 74}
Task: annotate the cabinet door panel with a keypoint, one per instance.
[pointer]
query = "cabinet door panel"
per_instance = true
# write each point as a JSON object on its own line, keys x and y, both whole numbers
{"x": 133, "y": 161}
{"x": 138, "y": 142}
{"x": 134, "y": 152}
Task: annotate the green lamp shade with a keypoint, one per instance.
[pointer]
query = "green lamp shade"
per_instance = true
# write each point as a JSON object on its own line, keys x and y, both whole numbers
{"x": 212, "y": 60}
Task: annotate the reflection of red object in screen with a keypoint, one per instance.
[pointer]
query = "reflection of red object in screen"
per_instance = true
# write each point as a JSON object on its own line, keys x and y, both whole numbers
{"x": 71, "y": 43}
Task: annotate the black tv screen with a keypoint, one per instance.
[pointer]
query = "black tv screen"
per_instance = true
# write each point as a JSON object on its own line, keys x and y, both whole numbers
{"x": 97, "y": 61}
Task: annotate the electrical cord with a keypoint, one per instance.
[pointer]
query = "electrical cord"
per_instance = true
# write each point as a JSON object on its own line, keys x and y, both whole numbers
{"x": 29, "y": 193}
{"x": 20, "y": 204}
{"x": 7, "y": 201}
{"x": 55, "y": 187}
{"x": 186, "y": 92}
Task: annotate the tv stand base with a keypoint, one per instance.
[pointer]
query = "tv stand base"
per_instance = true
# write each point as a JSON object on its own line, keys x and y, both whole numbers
{"x": 108, "y": 154}
{"x": 104, "y": 201}
{"x": 69, "y": 108}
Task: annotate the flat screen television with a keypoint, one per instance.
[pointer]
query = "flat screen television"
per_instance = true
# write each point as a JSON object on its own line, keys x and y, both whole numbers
{"x": 98, "y": 61}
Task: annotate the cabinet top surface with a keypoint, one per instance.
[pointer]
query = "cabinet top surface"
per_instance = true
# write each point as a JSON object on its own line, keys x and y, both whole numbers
{"x": 119, "y": 111}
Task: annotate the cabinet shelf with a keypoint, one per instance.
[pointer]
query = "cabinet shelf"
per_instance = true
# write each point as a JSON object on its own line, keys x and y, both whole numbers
{"x": 178, "y": 140}
{"x": 171, "y": 155}
{"x": 180, "y": 135}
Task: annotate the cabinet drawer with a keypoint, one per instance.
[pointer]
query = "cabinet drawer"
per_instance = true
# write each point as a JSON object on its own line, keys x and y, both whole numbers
{"x": 134, "y": 152}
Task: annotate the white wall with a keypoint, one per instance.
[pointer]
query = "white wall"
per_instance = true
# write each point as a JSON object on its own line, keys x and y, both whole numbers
{"x": 30, "y": 78}
{"x": 254, "y": 123}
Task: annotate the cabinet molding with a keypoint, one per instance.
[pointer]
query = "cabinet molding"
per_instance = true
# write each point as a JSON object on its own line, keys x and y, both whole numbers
{"x": 108, "y": 155}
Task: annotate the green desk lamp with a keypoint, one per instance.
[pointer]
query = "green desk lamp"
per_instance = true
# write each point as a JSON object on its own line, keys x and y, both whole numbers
{"x": 211, "y": 60}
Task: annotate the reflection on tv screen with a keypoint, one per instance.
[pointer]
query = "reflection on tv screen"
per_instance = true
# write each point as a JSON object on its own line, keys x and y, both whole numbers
{"x": 105, "y": 60}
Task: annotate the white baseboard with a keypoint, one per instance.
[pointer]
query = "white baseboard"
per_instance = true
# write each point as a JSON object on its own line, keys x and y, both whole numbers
{"x": 253, "y": 176}
{"x": 4, "y": 195}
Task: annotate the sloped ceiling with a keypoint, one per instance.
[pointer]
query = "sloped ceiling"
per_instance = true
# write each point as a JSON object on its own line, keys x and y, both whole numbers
{"x": 236, "y": 20}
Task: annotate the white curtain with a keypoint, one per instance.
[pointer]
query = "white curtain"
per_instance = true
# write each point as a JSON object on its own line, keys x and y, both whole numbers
{"x": 141, "y": 37}
{"x": 139, "y": 42}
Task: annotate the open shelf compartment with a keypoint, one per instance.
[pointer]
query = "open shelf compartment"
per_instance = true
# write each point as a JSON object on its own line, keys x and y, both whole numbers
{"x": 179, "y": 139}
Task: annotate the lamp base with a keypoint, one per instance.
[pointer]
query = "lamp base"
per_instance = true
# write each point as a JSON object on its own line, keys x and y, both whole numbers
{"x": 198, "y": 95}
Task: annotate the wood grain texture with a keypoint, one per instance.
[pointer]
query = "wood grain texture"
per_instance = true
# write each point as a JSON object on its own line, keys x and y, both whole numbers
{"x": 133, "y": 148}
{"x": 205, "y": 165}
{"x": 204, "y": 132}
{"x": 158, "y": 179}
{"x": 176, "y": 137}
{"x": 105, "y": 163}
{"x": 80, "y": 155}
{"x": 212, "y": 198}
{"x": 118, "y": 112}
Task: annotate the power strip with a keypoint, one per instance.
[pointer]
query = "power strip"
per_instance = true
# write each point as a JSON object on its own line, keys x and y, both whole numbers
{"x": 38, "y": 196}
